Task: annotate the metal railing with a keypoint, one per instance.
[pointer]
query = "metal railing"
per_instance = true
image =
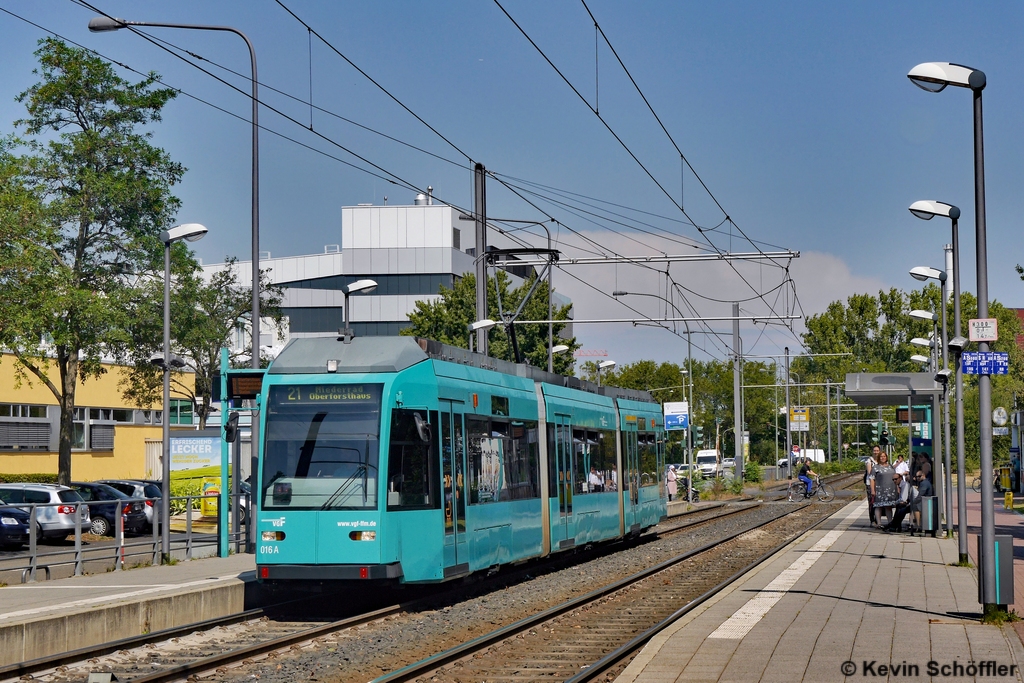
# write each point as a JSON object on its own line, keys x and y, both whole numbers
{"x": 34, "y": 561}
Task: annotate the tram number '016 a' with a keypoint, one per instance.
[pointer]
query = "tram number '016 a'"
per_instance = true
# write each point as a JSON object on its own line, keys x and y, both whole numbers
{"x": 269, "y": 550}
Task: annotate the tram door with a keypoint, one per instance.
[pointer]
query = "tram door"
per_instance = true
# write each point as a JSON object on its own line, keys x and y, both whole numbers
{"x": 631, "y": 476}
{"x": 564, "y": 531}
{"x": 453, "y": 484}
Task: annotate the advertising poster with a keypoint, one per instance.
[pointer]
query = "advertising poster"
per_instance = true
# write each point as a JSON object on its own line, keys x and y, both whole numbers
{"x": 195, "y": 457}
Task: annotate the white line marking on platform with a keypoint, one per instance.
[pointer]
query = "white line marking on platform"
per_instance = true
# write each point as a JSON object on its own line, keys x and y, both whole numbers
{"x": 746, "y": 618}
{"x": 66, "y": 606}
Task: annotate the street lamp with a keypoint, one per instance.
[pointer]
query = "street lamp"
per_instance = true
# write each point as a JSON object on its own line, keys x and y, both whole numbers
{"x": 190, "y": 232}
{"x": 104, "y": 24}
{"x": 926, "y": 210}
{"x": 923, "y": 273}
{"x": 561, "y": 348}
{"x": 604, "y": 365}
{"x": 480, "y": 325}
{"x": 365, "y": 286}
{"x": 923, "y": 360}
{"x": 934, "y": 77}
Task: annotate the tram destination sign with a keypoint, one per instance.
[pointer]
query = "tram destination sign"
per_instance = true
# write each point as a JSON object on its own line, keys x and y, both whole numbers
{"x": 986, "y": 362}
{"x": 306, "y": 394}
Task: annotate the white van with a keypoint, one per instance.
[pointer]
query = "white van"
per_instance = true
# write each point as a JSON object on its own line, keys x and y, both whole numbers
{"x": 815, "y": 454}
{"x": 707, "y": 462}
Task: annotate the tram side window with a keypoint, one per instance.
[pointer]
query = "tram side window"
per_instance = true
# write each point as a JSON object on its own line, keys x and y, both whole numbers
{"x": 483, "y": 457}
{"x": 602, "y": 457}
{"x": 522, "y": 466}
{"x": 582, "y": 449}
{"x": 412, "y": 465}
{"x": 648, "y": 459}
{"x": 553, "y": 480}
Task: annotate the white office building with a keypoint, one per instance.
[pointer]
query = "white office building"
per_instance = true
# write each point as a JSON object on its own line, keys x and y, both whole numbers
{"x": 409, "y": 251}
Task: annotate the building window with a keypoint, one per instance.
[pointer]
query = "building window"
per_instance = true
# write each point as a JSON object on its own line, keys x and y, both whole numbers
{"x": 181, "y": 412}
{"x": 24, "y": 427}
{"x": 152, "y": 417}
{"x": 78, "y": 440}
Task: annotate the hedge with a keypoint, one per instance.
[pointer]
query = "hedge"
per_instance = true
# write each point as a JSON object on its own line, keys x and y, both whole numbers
{"x": 36, "y": 478}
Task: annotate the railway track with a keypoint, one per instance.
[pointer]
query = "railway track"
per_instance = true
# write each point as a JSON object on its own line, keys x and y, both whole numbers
{"x": 177, "y": 654}
{"x": 584, "y": 637}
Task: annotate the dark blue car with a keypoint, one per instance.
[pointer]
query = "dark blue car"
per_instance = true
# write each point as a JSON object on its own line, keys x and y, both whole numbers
{"x": 105, "y": 503}
{"x": 13, "y": 527}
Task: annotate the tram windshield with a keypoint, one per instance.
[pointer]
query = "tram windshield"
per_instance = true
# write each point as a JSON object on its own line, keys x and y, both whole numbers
{"x": 321, "y": 447}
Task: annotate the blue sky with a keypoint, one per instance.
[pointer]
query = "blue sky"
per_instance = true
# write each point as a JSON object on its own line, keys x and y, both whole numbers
{"x": 798, "y": 116}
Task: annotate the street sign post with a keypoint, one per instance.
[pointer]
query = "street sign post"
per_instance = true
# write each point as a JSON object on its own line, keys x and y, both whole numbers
{"x": 799, "y": 419}
{"x": 985, "y": 362}
{"x": 677, "y": 416}
{"x": 983, "y": 329}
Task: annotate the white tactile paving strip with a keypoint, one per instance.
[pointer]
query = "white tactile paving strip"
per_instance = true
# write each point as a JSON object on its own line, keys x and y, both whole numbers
{"x": 747, "y": 617}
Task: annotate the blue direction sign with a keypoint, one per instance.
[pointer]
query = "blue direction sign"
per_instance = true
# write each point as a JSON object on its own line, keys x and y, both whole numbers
{"x": 986, "y": 363}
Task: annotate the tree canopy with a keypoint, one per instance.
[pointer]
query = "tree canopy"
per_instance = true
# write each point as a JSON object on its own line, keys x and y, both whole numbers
{"x": 447, "y": 319}
{"x": 85, "y": 196}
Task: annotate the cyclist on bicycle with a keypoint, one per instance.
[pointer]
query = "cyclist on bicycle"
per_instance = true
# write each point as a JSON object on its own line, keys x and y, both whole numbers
{"x": 805, "y": 476}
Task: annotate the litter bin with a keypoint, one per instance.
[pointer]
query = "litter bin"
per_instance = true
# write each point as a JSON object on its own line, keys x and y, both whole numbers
{"x": 1004, "y": 570}
{"x": 930, "y": 521}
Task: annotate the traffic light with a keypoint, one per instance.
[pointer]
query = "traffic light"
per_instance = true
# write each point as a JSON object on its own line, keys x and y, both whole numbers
{"x": 876, "y": 431}
{"x": 698, "y": 436}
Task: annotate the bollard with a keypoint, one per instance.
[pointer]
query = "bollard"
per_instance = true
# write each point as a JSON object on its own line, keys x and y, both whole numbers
{"x": 119, "y": 543}
{"x": 1004, "y": 570}
{"x": 33, "y": 541}
{"x": 157, "y": 507}
{"x": 78, "y": 539}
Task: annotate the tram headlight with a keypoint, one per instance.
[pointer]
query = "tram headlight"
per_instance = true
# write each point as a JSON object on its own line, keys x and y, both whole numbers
{"x": 363, "y": 535}
{"x": 272, "y": 536}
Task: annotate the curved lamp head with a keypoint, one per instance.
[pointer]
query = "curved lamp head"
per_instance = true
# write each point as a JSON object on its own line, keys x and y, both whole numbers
{"x": 921, "y": 341}
{"x": 186, "y": 231}
{"x": 927, "y": 209}
{"x": 918, "y": 314}
{"x": 923, "y": 360}
{"x": 485, "y": 324}
{"x": 103, "y": 24}
{"x": 935, "y": 76}
{"x": 619, "y": 292}
{"x": 923, "y": 273}
{"x": 561, "y": 348}
{"x": 361, "y": 286}
{"x": 606, "y": 365}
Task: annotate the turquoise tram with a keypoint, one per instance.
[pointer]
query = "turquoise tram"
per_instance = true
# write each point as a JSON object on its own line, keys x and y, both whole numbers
{"x": 402, "y": 459}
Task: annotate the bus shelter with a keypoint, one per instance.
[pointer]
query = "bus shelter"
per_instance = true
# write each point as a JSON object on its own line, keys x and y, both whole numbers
{"x": 920, "y": 393}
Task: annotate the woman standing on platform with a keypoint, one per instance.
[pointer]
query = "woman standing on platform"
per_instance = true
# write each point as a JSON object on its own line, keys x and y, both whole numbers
{"x": 884, "y": 490}
{"x": 869, "y": 475}
{"x": 671, "y": 479}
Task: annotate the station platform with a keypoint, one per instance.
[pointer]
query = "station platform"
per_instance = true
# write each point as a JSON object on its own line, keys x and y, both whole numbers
{"x": 49, "y": 617}
{"x": 844, "y": 602}
{"x": 1006, "y": 522}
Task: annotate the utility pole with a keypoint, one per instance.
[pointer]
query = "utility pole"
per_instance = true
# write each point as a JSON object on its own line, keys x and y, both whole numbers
{"x": 480, "y": 209}
{"x": 828, "y": 415}
{"x": 789, "y": 435}
{"x": 737, "y": 397}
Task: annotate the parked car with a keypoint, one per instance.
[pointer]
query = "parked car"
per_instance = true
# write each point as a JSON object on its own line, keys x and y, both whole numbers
{"x": 55, "y": 516}
{"x": 139, "y": 488}
{"x": 13, "y": 527}
{"x": 106, "y": 503}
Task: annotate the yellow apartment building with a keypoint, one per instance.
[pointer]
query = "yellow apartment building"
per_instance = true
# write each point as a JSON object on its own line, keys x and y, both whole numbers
{"x": 112, "y": 438}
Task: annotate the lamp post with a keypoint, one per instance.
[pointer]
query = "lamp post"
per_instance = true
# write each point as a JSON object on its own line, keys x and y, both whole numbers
{"x": 481, "y": 325}
{"x": 932, "y": 361}
{"x": 104, "y": 24}
{"x": 926, "y": 210}
{"x": 923, "y": 273}
{"x": 604, "y": 365}
{"x": 364, "y": 286}
{"x": 190, "y": 232}
{"x": 934, "y": 77}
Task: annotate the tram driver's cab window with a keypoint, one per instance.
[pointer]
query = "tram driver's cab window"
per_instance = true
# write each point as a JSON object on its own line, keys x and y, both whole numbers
{"x": 412, "y": 463}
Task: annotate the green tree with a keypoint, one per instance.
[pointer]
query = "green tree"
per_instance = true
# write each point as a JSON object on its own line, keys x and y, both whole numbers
{"x": 96, "y": 194}
{"x": 876, "y": 331}
{"x": 204, "y": 316}
{"x": 446, "y": 320}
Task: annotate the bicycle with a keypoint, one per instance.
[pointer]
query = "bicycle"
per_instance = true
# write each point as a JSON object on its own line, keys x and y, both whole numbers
{"x": 798, "y": 491}
{"x": 997, "y": 485}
